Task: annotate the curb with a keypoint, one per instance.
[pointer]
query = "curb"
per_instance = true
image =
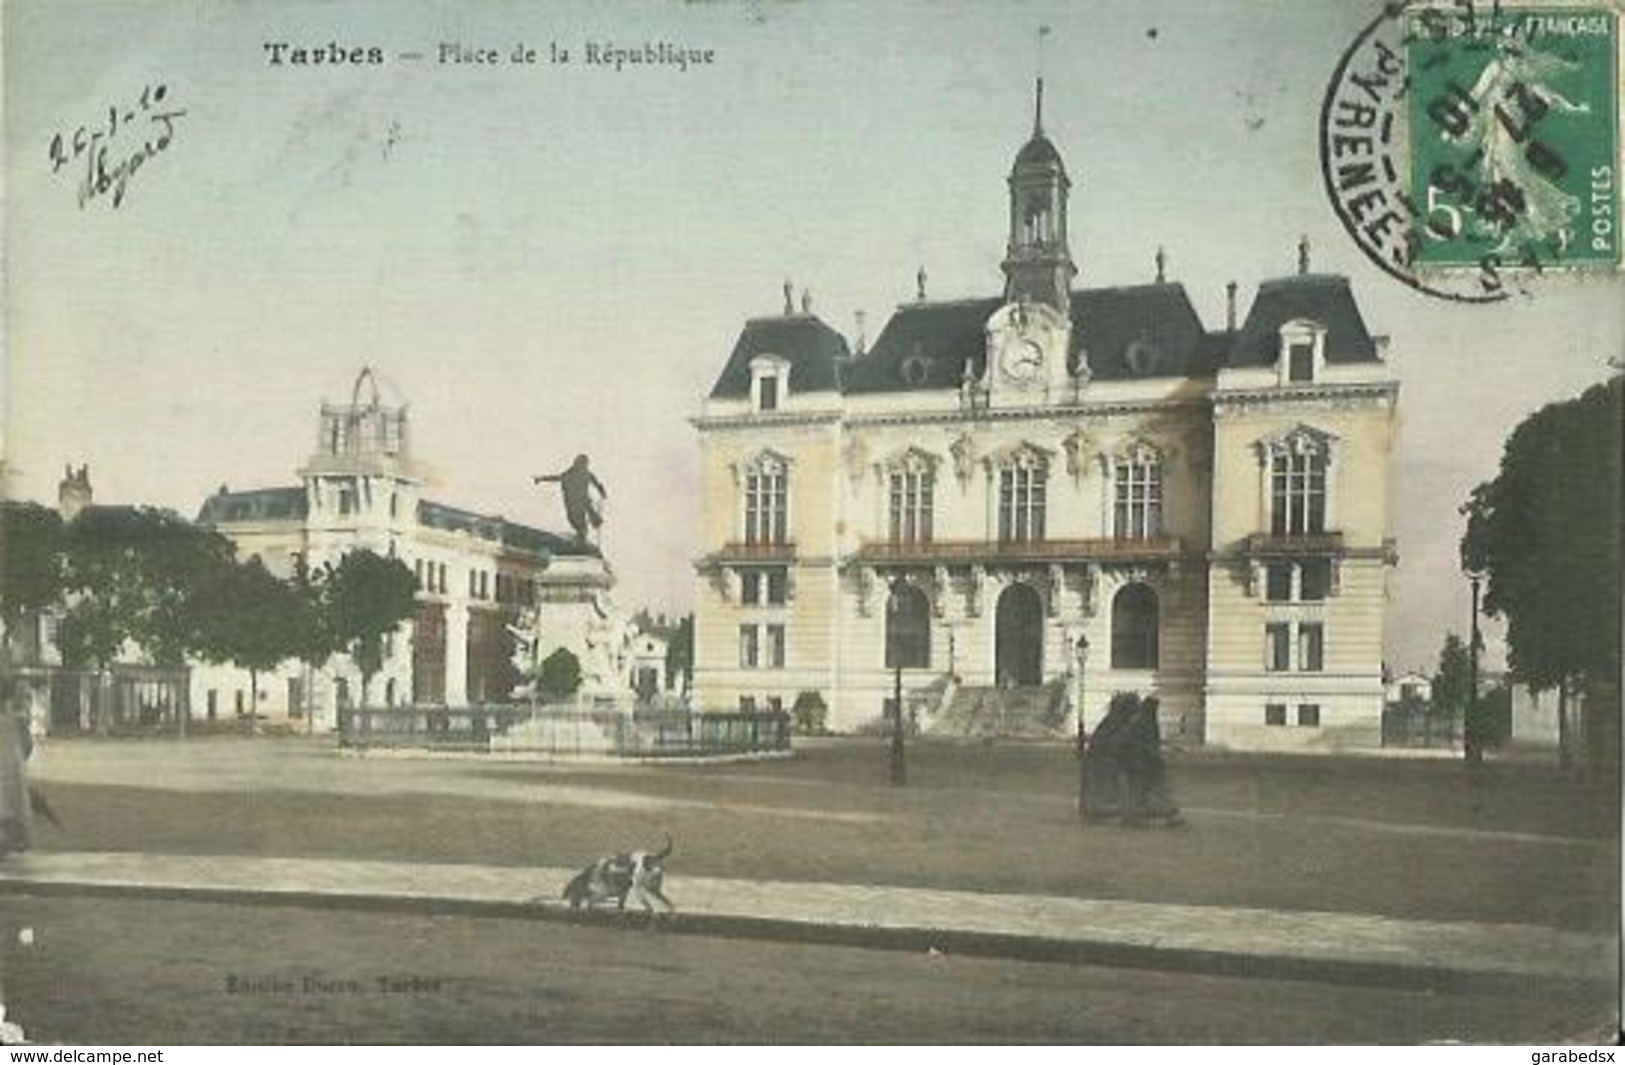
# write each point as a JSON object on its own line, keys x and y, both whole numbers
{"x": 910, "y": 940}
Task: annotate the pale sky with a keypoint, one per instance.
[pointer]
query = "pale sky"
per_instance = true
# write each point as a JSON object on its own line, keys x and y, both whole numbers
{"x": 545, "y": 260}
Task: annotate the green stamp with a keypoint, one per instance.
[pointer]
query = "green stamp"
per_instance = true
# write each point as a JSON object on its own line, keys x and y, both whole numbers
{"x": 1513, "y": 118}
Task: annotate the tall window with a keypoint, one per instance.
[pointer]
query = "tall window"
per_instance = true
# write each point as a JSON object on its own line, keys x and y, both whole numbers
{"x": 1297, "y": 491}
{"x": 1134, "y": 628}
{"x": 749, "y": 652}
{"x": 1277, "y": 646}
{"x": 908, "y": 628}
{"x": 769, "y": 392}
{"x": 766, "y": 503}
{"x": 775, "y": 647}
{"x": 1311, "y": 647}
{"x": 911, "y": 503}
{"x": 1021, "y": 502}
{"x": 1137, "y": 514}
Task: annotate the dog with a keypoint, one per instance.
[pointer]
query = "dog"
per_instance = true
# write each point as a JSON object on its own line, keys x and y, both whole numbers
{"x": 639, "y": 876}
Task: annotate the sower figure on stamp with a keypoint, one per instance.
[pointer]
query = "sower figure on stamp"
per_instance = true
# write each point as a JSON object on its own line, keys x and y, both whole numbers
{"x": 1145, "y": 773}
{"x": 577, "y": 484}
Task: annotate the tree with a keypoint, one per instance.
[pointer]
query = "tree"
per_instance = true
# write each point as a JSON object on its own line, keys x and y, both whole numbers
{"x": 1453, "y": 682}
{"x": 680, "y": 653}
{"x": 364, "y": 599}
{"x": 250, "y": 618}
{"x": 30, "y": 562}
{"x": 1546, "y": 533}
{"x": 132, "y": 575}
{"x": 559, "y": 676}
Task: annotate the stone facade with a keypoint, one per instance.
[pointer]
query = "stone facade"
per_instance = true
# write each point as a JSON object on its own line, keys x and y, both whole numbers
{"x": 1073, "y": 489}
{"x": 478, "y": 575}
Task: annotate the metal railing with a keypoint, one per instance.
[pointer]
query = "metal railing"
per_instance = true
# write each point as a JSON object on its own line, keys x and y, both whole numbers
{"x": 565, "y": 730}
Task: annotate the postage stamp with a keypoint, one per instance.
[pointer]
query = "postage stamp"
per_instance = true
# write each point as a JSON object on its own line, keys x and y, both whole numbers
{"x": 1467, "y": 148}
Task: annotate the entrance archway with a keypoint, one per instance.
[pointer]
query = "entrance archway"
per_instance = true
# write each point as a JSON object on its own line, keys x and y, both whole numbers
{"x": 1018, "y": 656}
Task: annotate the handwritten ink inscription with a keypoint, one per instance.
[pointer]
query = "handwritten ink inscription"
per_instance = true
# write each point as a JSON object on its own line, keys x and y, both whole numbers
{"x": 107, "y": 155}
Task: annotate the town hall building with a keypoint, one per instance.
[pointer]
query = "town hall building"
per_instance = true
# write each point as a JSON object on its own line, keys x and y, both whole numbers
{"x": 1032, "y": 500}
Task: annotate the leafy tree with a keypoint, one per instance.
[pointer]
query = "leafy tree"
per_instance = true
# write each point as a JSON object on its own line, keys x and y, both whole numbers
{"x": 250, "y": 618}
{"x": 560, "y": 675}
{"x": 680, "y": 653}
{"x": 1453, "y": 681}
{"x": 364, "y": 599}
{"x": 809, "y": 714}
{"x": 30, "y": 561}
{"x": 132, "y": 574}
{"x": 1546, "y": 533}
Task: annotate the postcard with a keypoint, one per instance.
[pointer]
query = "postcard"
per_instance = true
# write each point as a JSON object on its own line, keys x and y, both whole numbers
{"x": 760, "y": 522}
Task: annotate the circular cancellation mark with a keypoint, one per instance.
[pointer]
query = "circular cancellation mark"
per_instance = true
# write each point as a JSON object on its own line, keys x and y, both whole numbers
{"x": 1464, "y": 150}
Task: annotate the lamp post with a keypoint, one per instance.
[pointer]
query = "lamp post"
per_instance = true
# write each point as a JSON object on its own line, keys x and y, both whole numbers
{"x": 1082, "y": 647}
{"x": 896, "y": 652}
{"x": 1471, "y": 742}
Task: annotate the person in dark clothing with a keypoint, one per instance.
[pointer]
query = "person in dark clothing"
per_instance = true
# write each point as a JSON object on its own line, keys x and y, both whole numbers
{"x": 1104, "y": 758}
{"x": 1145, "y": 774}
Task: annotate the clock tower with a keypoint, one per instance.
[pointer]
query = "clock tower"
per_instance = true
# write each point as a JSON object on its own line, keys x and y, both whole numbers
{"x": 1037, "y": 262}
{"x": 1028, "y": 338}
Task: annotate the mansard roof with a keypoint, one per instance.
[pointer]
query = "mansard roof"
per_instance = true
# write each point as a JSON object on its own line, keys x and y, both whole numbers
{"x": 259, "y": 504}
{"x": 500, "y": 530}
{"x": 1322, "y": 298}
{"x": 1138, "y": 331}
{"x": 924, "y": 346}
{"x": 1126, "y": 332}
{"x": 812, "y": 348}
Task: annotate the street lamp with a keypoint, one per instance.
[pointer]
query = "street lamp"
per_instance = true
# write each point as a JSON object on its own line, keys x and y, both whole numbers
{"x": 1472, "y": 743}
{"x": 1082, "y": 648}
{"x": 899, "y": 653}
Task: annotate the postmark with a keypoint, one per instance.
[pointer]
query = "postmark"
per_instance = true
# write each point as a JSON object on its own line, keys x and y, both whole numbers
{"x": 1469, "y": 149}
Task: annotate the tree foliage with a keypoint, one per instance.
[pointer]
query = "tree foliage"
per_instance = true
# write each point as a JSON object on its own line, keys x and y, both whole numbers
{"x": 1546, "y": 533}
{"x": 247, "y": 616}
{"x": 560, "y": 675}
{"x": 134, "y": 574}
{"x": 364, "y": 599}
{"x": 1453, "y": 682}
{"x": 30, "y": 560}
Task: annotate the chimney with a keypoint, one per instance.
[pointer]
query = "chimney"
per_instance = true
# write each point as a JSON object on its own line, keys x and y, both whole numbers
{"x": 73, "y": 495}
{"x": 862, "y": 341}
{"x": 789, "y": 298}
{"x": 1230, "y": 307}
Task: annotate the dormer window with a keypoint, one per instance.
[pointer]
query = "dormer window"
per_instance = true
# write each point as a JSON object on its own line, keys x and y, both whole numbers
{"x": 1302, "y": 352}
{"x": 769, "y": 382}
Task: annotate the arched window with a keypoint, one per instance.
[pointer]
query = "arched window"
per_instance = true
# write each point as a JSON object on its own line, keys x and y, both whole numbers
{"x": 908, "y": 628}
{"x": 1134, "y": 628}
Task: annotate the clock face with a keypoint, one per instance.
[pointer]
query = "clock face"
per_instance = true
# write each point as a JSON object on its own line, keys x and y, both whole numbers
{"x": 1022, "y": 360}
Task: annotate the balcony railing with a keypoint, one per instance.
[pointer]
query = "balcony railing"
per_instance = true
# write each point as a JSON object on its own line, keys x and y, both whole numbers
{"x": 1321, "y": 543}
{"x": 744, "y": 552}
{"x": 937, "y": 552}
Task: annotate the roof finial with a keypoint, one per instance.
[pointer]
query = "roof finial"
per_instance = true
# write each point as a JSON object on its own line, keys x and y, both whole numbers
{"x": 1038, "y": 102}
{"x": 863, "y": 341}
{"x": 1162, "y": 264}
{"x": 1303, "y": 255}
{"x": 806, "y": 302}
{"x": 1230, "y": 306}
{"x": 789, "y": 297}
{"x": 919, "y": 284}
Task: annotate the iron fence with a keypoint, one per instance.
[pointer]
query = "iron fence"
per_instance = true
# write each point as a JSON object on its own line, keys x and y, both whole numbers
{"x": 505, "y": 729}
